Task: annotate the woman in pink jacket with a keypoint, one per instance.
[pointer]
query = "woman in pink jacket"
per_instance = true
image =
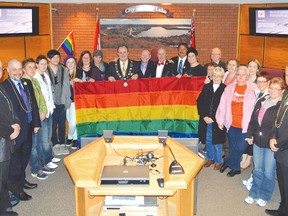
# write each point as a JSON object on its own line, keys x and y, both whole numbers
{"x": 234, "y": 112}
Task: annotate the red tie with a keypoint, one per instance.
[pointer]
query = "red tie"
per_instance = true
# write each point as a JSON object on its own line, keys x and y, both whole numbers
{"x": 160, "y": 63}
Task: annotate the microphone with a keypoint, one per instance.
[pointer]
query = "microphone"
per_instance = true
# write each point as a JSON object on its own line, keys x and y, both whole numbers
{"x": 175, "y": 167}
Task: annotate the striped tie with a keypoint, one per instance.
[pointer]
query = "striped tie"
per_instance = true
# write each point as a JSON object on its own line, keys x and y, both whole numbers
{"x": 180, "y": 67}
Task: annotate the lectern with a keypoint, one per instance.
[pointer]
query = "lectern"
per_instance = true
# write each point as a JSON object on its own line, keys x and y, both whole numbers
{"x": 86, "y": 164}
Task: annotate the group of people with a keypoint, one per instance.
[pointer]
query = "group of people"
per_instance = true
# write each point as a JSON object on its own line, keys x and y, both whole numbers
{"x": 236, "y": 101}
{"x": 249, "y": 108}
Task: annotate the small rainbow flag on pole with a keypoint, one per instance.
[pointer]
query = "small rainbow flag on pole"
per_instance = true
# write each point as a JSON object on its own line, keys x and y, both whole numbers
{"x": 139, "y": 107}
{"x": 68, "y": 45}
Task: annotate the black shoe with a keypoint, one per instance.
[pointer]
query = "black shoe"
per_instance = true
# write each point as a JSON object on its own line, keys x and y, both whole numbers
{"x": 223, "y": 167}
{"x": 24, "y": 196}
{"x": 29, "y": 185}
{"x": 232, "y": 173}
{"x": 68, "y": 142}
{"x": 272, "y": 212}
{"x": 8, "y": 212}
{"x": 74, "y": 144}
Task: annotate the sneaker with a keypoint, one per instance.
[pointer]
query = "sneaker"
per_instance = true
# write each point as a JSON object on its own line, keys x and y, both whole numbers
{"x": 68, "y": 142}
{"x": 249, "y": 200}
{"x": 57, "y": 150}
{"x": 52, "y": 165}
{"x": 74, "y": 144}
{"x": 64, "y": 150}
{"x": 248, "y": 181}
{"x": 48, "y": 170}
{"x": 55, "y": 160}
{"x": 249, "y": 186}
{"x": 40, "y": 175}
{"x": 261, "y": 202}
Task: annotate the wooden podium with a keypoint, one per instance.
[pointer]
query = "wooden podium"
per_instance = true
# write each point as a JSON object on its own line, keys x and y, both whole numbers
{"x": 86, "y": 164}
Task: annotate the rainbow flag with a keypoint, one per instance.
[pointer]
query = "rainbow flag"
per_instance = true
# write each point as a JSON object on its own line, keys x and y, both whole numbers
{"x": 68, "y": 45}
{"x": 138, "y": 107}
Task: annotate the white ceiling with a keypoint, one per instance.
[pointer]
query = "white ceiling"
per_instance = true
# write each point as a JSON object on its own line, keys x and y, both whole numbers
{"x": 158, "y": 1}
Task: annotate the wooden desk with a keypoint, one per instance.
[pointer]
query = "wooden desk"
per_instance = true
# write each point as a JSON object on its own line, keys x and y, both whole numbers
{"x": 86, "y": 164}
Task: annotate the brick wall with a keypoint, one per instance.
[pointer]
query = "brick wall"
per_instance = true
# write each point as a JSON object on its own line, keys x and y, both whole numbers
{"x": 216, "y": 26}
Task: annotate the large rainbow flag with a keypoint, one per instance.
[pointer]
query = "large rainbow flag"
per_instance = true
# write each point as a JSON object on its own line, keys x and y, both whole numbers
{"x": 138, "y": 107}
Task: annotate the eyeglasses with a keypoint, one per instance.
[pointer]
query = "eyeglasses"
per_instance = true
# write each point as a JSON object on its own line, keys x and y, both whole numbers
{"x": 261, "y": 82}
{"x": 274, "y": 89}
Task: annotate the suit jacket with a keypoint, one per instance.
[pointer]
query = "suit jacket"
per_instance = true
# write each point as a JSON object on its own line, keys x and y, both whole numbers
{"x": 18, "y": 103}
{"x": 7, "y": 118}
{"x": 168, "y": 70}
{"x": 176, "y": 60}
{"x": 149, "y": 69}
{"x": 114, "y": 69}
{"x": 220, "y": 64}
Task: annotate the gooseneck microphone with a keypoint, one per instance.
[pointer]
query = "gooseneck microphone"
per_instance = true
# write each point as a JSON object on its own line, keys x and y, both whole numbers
{"x": 175, "y": 167}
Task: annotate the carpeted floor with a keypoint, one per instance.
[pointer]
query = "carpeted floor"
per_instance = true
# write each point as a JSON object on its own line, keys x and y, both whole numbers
{"x": 218, "y": 195}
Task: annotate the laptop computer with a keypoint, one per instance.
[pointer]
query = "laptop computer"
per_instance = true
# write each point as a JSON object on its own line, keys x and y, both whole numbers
{"x": 125, "y": 175}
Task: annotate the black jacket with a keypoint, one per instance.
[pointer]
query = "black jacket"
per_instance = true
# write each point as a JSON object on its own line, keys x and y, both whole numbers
{"x": 261, "y": 134}
{"x": 114, "y": 69}
{"x": 207, "y": 104}
{"x": 169, "y": 69}
{"x": 149, "y": 69}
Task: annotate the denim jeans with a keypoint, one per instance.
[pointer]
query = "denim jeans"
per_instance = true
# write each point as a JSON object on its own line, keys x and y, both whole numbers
{"x": 214, "y": 151}
{"x": 41, "y": 152}
{"x": 71, "y": 118}
{"x": 45, "y": 140}
{"x": 237, "y": 145}
{"x": 58, "y": 122}
{"x": 34, "y": 160}
{"x": 263, "y": 173}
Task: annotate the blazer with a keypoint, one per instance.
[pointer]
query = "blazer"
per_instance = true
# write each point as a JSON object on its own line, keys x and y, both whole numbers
{"x": 207, "y": 104}
{"x": 176, "y": 60}
{"x": 18, "y": 105}
{"x": 7, "y": 118}
{"x": 149, "y": 69}
{"x": 168, "y": 70}
{"x": 114, "y": 69}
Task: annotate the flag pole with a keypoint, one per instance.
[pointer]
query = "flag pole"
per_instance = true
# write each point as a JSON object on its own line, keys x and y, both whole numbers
{"x": 64, "y": 40}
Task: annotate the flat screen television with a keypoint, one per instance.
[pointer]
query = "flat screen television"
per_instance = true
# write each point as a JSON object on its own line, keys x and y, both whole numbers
{"x": 269, "y": 21}
{"x": 18, "y": 21}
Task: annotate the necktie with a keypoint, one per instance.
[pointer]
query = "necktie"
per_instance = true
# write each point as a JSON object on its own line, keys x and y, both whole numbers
{"x": 25, "y": 99}
{"x": 160, "y": 63}
{"x": 144, "y": 69}
{"x": 123, "y": 69}
{"x": 260, "y": 95}
{"x": 180, "y": 67}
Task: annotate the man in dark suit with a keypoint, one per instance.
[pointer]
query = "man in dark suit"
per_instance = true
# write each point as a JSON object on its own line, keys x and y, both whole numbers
{"x": 9, "y": 130}
{"x": 181, "y": 60}
{"x": 145, "y": 65}
{"x": 20, "y": 92}
{"x": 163, "y": 68}
{"x": 216, "y": 57}
{"x": 124, "y": 68}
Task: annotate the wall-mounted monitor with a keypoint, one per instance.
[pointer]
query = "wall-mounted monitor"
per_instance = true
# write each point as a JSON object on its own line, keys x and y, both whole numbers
{"x": 269, "y": 21}
{"x": 18, "y": 21}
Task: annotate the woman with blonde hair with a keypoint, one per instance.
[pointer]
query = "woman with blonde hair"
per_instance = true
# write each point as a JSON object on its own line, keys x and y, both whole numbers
{"x": 207, "y": 104}
{"x": 70, "y": 63}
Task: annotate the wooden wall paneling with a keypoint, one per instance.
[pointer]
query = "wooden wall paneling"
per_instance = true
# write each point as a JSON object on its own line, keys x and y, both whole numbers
{"x": 11, "y": 4}
{"x": 11, "y": 47}
{"x": 276, "y": 52}
{"x": 251, "y": 47}
{"x": 44, "y": 17}
{"x": 244, "y": 19}
{"x": 277, "y": 5}
{"x": 36, "y": 45}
